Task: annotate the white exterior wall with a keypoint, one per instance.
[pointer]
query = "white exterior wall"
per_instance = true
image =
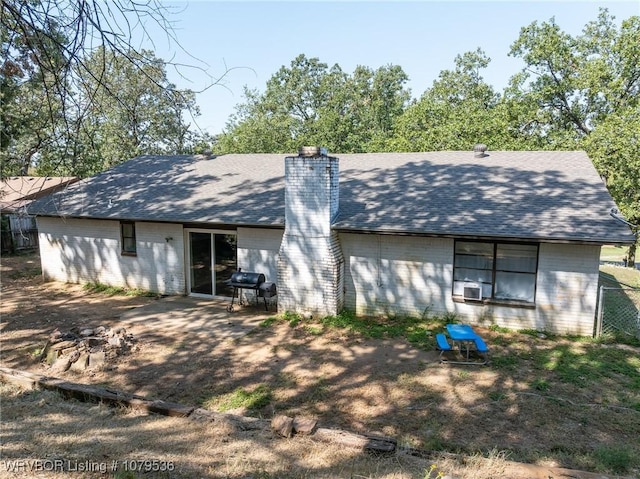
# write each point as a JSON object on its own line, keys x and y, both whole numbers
{"x": 79, "y": 250}
{"x": 567, "y": 288}
{"x": 258, "y": 251}
{"x": 387, "y": 274}
{"x": 413, "y": 276}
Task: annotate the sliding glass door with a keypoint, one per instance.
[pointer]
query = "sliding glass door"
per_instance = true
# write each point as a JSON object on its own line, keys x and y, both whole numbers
{"x": 212, "y": 260}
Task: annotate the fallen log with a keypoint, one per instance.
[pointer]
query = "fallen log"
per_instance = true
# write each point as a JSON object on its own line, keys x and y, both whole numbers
{"x": 85, "y": 392}
{"x": 358, "y": 441}
{"x": 243, "y": 423}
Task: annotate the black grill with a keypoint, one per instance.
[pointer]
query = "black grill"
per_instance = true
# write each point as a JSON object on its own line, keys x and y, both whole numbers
{"x": 241, "y": 280}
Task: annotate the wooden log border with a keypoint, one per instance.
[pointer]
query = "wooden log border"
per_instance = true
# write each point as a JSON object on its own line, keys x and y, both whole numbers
{"x": 369, "y": 443}
{"x": 88, "y": 393}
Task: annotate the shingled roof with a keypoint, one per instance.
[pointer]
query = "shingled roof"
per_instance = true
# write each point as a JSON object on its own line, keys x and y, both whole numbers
{"x": 542, "y": 195}
{"x": 17, "y": 191}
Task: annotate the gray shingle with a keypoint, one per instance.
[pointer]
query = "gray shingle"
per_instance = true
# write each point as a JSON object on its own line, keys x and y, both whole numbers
{"x": 548, "y": 195}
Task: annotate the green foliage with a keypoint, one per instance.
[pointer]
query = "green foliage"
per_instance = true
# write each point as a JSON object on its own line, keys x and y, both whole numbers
{"x": 292, "y": 318}
{"x": 130, "y": 109}
{"x": 309, "y": 103}
{"x": 268, "y": 322}
{"x": 613, "y": 147}
{"x": 458, "y": 111}
{"x": 540, "y": 384}
{"x": 76, "y": 98}
{"x": 433, "y": 473}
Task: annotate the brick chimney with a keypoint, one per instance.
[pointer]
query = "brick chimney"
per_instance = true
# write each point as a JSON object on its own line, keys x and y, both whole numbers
{"x": 310, "y": 262}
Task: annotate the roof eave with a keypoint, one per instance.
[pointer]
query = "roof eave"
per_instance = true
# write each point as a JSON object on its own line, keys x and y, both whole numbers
{"x": 490, "y": 237}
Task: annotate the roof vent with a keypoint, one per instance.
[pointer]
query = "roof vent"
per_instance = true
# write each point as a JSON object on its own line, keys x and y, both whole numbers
{"x": 479, "y": 150}
{"x": 311, "y": 151}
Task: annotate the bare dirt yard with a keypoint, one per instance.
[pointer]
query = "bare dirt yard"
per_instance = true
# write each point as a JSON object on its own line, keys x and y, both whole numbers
{"x": 550, "y": 401}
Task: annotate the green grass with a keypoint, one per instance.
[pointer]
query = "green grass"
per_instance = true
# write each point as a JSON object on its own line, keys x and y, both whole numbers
{"x": 613, "y": 253}
{"x": 116, "y": 290}
{"x": 619, "y": 277}
{"x": 269, "y": 321}
{"x": 255, "y": 399}
{"x": 418, "y": 331}
{"x": 619, "y": 459}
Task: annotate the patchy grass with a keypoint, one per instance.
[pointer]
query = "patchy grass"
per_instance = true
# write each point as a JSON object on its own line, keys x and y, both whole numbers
{"x": 255, "y": 399}
{"x": 116, "y": 290}
{"x": 88, "y": 433}
{"x": 545, "y": 399}
{"x": 21, "y": 266}
{"x": 418, "y": 331}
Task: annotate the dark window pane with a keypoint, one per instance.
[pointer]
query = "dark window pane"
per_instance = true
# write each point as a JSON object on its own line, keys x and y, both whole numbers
{"x": 128, "y": 233}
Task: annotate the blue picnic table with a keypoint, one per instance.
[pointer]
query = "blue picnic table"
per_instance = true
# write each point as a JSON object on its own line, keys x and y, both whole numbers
{"x": 463, "y": 337}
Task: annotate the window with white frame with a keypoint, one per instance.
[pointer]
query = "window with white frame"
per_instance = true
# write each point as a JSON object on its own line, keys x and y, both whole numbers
{"x": 495, "y": 271}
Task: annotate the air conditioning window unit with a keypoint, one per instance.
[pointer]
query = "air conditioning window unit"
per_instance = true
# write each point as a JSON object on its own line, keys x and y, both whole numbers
{"x": 472, "y": 291}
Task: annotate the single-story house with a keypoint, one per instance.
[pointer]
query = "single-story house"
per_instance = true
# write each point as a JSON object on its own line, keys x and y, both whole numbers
{"x": 507, "y": 237}
{"x": 16, "y": 192}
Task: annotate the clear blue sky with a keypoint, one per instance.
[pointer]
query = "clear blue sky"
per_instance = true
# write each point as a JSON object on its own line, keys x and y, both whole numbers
{"x": 423, "y": 37}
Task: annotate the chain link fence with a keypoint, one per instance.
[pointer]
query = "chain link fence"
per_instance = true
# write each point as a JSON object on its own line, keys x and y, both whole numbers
{"x": 618, "y": 311}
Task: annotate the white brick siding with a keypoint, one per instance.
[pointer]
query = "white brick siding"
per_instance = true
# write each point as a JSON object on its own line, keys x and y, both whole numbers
{"x": 258, "y": 251}
{"x": 83, "y": 250}
{"x": 567, "y": 287}
{"x": 310, "y": 261}
{"x": 379, "y": 274}
{"x": 412, "y": 275}
{"x": 397, "y": 274}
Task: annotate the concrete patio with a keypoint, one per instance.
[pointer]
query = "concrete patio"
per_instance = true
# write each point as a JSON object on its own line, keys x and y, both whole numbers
{"x": 184, "y": 314}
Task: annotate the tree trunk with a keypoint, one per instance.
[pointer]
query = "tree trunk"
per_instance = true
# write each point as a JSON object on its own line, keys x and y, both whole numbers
{"x": 631, "y": 255}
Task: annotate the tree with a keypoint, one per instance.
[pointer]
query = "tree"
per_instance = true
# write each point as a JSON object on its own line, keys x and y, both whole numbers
{"x": 309, "y": 103}
{"x": 458, "y": 111}
{"x": 584, "y": 92}
{"x": 47, "y": 47}
{"x": 613, "y": 146}
{"x": 122, "y": 111}
{"x": 577, "y": 81}
{"x": 27, "y": 98}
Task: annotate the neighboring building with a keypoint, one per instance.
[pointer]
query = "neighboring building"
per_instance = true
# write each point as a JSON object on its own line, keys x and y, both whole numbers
{"x": 19, "y": 229}
{"x": 511, "y": 238}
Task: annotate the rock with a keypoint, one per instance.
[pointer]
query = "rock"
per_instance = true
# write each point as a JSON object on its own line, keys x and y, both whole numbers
{"x": 283, "y": 425}
{"x": 74, "y": 356}
{"x": 86, "y": 332}
{"x": 61, "y": 364}
{"x": 63, "y": 345}
{"x": 96, "y": 359}
{"x": 81, "y": 364}
{"x": 304, "y": 425}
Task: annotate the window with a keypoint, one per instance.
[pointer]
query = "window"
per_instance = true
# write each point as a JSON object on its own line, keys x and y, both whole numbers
{"x": 502, "y": 271}
{"x": 128, "y": 234}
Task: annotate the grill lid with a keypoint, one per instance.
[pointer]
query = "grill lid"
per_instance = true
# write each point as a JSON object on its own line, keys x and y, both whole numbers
{"x": 246, "y": 279}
